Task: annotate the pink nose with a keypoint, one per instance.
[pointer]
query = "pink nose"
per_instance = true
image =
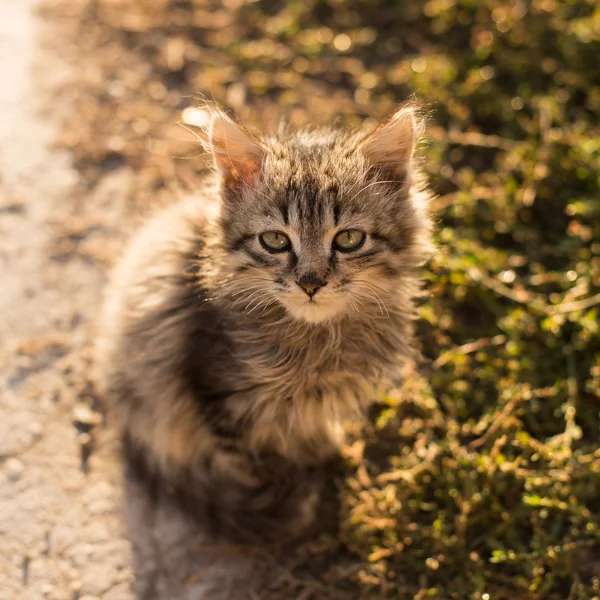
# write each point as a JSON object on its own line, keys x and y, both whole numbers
{"x": 311, "y": 284}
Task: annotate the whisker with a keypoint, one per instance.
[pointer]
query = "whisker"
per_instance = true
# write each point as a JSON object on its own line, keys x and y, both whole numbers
{"x": 377, "y": 299}
{"x": 251, "y": 296}
{"x": 256, "y": 191}
{"x": 243, "y": 280}
{"x": 353, "y": 305}
{"x": 269, "y": 304}
{"x": 261, "y": 303}
{"x": 358, "y": 182}
{"x": 374, "y": 183}
{"x": 246, "y": 289}
{"x": 372, "y": 283}
{"x": 380, "y": 300}
{"x": 257, "y": 302}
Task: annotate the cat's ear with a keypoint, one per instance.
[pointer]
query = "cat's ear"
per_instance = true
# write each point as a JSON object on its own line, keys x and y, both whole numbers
{"x": 389, "y": 149}
{"x": 238, "y": 155}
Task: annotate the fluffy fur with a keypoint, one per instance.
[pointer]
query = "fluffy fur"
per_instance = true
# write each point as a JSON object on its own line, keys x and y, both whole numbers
{"x": 230, "y": 383}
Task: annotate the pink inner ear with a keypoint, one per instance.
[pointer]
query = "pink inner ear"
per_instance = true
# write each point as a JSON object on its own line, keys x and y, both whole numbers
{"x": 391, "y": 145}
{"x": 238, "y": 155}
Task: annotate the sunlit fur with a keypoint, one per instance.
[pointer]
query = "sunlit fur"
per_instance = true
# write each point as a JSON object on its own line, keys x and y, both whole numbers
{"x": 229, "y": 383}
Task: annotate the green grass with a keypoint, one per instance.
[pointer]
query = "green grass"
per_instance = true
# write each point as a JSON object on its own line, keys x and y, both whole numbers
{"x": 480, "y": 478}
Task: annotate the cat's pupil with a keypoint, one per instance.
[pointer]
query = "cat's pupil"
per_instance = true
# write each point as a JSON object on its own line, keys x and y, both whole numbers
{"x": 350, "y": 239}
{"x": 274, "y": 241}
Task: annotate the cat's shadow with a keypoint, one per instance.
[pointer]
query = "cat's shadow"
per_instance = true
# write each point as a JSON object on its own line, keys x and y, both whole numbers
{"x": 174, "y": 558}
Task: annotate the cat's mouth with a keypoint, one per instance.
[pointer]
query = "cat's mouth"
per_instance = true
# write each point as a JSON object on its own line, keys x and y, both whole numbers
{"x": 313, "y": 309}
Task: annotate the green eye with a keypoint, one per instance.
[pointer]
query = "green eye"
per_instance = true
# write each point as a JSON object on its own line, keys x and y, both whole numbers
{"x": 349, "y": 240}
{"x": 274, "y": 241}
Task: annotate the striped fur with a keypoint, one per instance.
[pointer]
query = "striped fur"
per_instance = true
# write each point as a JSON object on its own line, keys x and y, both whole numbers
{"x": 229, "y": 383}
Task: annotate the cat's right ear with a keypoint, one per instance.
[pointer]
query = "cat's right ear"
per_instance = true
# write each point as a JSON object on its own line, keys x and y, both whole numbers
{"x": 390, "y": 147}
{"x": 238, "y": 155}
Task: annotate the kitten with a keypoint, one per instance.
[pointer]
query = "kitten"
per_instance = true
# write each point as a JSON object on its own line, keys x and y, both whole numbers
{"x": 232, "y": 347}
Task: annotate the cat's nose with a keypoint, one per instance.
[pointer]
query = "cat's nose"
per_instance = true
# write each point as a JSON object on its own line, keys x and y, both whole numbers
{"x": 311, "y": 284}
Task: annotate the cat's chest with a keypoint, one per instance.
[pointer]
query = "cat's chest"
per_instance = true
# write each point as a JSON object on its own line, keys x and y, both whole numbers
{"x": 323, "y": 371}
{"x": 296, "y": 396}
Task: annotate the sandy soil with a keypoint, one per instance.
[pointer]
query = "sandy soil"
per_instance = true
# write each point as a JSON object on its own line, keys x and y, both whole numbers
{"x": 63, "y": 529}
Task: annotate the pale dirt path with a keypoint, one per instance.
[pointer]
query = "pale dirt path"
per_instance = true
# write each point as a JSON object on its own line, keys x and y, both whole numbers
{"x": 62, "y": 534}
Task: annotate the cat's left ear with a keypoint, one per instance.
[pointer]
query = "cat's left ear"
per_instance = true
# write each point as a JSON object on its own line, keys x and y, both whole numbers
{"x": 237, "y": 153}
{"x": 391, "y": 146}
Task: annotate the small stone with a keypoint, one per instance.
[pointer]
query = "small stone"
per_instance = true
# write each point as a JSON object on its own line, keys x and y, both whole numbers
{"x": 83, "y": 414}
{"x": 14, "y": 469}
{"x": 36, "y": 430}
{"x": 84, "y": 439}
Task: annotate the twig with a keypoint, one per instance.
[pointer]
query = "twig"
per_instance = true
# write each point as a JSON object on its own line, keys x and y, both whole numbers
{"x": 541, "y": 164}
{"x": 573, "y": 589}
{"x": 519, "y": 296}
{"x": 469, "y": 348}
{"x": 472, "y": 138}
{"x": 498, "y": 421}
{"x": 533, "y": 301}
{"x": 577, "y": 305}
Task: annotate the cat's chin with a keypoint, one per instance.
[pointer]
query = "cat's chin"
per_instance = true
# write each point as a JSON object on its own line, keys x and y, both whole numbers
{"x": 315, "y": 312}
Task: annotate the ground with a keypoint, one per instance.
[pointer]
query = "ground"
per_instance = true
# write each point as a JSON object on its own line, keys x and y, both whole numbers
{"x": 61, "y": 491}
{"x": 477, "y": 479}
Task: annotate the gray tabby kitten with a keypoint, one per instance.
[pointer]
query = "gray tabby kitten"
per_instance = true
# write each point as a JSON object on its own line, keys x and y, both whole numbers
{"x": 234, "y": 343}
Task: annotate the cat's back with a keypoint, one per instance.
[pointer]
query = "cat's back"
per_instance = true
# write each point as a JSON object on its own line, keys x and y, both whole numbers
{"x": 167, "y": 242}
{"x": 150, "y": 292}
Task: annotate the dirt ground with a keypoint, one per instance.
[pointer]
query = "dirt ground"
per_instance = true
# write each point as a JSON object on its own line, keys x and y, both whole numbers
{"x": 63, "y": 529}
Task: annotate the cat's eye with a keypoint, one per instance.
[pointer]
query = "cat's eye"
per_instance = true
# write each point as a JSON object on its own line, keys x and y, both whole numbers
{"x": 275, "y": 241}
{"x": 349, "y": 240}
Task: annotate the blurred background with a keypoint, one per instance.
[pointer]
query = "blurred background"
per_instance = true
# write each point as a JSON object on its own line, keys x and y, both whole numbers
{"x": 479, "y": 478}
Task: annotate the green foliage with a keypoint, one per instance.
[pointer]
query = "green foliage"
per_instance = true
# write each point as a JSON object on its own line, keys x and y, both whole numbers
{"x": 480, "y": 478}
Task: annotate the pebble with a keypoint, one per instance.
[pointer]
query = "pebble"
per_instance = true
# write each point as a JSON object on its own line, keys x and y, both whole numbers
{"x": 36, "y": 430}
{"x": 83, "y": 414}
{"x": 85, "y": 440}
{"x": 14, "y": 469}
{"x": 75, "y": 587}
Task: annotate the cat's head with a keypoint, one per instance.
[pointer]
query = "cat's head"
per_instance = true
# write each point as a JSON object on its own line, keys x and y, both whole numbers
{"x": 323, "y": 223}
